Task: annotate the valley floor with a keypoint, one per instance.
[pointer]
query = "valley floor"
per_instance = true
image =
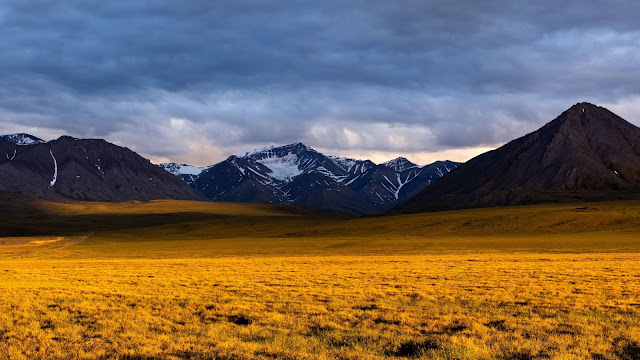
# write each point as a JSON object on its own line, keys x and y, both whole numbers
{"x": 433, "y": 286}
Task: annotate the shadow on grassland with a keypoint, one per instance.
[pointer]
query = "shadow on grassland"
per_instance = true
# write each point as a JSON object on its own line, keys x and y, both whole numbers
{"x": 21, "y": 217}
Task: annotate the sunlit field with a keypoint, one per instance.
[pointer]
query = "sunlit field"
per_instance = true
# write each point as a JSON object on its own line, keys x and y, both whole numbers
{"x": 182, "y": 280}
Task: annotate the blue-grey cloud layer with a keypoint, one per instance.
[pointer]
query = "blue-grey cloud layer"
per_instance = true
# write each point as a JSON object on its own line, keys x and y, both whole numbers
{"x": 434, "y": 74}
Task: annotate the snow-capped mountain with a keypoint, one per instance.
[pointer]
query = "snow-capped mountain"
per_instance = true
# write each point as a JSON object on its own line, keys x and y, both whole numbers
{"x": 22, "y": 139}
{"x": 289, "y": 161}
{"x": 297, "y": 174}
{"x": 188, "y": 173}
{"x": 393, "y": 181}
{"x": 285, "y": 175}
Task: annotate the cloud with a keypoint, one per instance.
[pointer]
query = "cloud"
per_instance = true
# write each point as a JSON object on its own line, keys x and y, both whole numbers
{"x": 406, "y": 77}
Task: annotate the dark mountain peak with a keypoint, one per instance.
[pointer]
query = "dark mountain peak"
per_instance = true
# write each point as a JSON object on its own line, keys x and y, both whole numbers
{"x": 22, "y": 139}
{"x": 298, "y": 147}
{"x": 67, "y": 138}
{"x": 587, "y": 152}
{"x": 586, "y": 128}
{"x": 71, "y": 139}
{"x": 584, "y": 113}
{"x": 90, "y": 169}
{"x": 584, "y": 105}
{"x": 399, "y": 164}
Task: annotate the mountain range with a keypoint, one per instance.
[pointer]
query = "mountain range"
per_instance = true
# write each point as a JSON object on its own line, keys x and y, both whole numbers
{"x": 297, "y": 174}
{"x": 587, "y": 153}
{"x": 95, "y": 170}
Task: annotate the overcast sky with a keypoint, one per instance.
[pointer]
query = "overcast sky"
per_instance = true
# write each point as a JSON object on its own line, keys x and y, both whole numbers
{"x": 197, "y": 81}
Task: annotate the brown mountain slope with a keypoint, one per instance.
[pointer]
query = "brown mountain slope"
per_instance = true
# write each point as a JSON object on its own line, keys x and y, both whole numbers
{"x": 586, "y": 153}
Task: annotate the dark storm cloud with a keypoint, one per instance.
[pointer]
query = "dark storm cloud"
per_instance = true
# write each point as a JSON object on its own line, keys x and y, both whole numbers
{"x": 365, "y": 75}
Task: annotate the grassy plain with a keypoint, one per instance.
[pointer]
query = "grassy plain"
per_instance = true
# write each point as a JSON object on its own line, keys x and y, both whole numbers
{"x": 179, "y": 280}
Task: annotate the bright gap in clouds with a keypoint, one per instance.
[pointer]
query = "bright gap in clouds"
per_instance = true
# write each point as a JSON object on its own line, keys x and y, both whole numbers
{"x": 419, "y": 158}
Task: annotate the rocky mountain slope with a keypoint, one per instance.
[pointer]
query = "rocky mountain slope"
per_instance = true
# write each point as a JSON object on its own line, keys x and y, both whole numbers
{"x": 586, "y": 153}
{"x": 84, "y": 169}
{"x": 297, "y": 174}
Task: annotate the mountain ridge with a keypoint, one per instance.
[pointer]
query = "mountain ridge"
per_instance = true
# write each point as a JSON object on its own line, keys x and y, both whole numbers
{"x": 297, "y": 174}
{"x": 85, "y": 169}
{"x": 586, "y": 153}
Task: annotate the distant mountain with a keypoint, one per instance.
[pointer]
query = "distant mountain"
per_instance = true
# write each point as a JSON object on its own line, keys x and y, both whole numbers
{"x": 87, "y": 169}
{"x": 586, "y": 153}
{"x": 188, "y": 173}
{"x": 22, "y": 139}
{"x": 399, "y": 164}
{"x": 395, "y": 180}
{"x": 297, "y": 174}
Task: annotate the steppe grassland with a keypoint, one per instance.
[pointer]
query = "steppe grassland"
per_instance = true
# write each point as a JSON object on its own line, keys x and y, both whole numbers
{"x": 511, "y": 306}
{"x": 429, "y": 286}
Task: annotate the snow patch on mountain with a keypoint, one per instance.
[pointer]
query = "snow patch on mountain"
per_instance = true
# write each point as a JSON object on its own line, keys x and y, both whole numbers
{"x": 240, "y": 168}
{"x": 257, "y": 151}
{"x": 283, "y": 168}
{"x": 55, "y": 170}
{"x": 14, "y": 155}
{"x": 344, "y": 163}
{"x": 191, "y": 170}
{"x": 351, "y": 166}
{"x": 22, "y": 139}
{"x": 399, "y": 164}
{"x": 395, "y": 188}
{"x": 324, "y": 171}
{"x": 183, "y": 169}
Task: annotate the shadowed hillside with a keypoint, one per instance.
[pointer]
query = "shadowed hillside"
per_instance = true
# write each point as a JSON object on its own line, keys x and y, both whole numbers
{"x": 85, "y": 170}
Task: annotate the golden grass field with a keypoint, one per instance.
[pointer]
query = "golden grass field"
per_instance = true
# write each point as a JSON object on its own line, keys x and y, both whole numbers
{"x": 182, "y": 280}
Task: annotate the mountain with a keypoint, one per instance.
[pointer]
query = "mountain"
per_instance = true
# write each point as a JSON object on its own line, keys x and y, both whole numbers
{"x": 297, "y": 174}
{"x": 22, "y": 139}
{"x": 586, "y": 153}
{"x": 285, "y": 175}
{"x": 395, "y": 180}
{"x": 188, "y": 173}
{"x": 84, "y": 169}
{"x": 399, "y": 164}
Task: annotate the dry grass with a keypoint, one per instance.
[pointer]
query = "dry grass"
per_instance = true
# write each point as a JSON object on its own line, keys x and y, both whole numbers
{"x": 512, "y": 306}
{"x": 242, "y": 282}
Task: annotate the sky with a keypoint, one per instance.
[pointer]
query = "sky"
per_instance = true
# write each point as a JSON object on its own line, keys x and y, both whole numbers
{"x": 197, "y": 81}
